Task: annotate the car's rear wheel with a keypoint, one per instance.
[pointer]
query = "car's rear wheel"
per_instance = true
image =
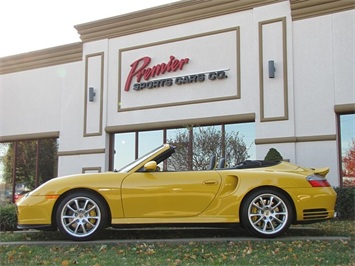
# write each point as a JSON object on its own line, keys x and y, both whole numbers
{"x": 266, "y": 213}
{"x": 81, "y": 215}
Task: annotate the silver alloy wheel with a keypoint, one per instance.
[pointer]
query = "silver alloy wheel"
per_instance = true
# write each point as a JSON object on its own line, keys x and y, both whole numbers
{"x": 80, "y": 217}
{"x": 268, "y": 214}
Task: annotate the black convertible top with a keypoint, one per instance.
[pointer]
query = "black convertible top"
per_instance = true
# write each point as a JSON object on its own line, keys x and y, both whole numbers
{"x": 255, "y": 164}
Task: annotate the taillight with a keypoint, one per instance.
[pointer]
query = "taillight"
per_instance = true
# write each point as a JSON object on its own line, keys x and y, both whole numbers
{"x": 317, "y": 181}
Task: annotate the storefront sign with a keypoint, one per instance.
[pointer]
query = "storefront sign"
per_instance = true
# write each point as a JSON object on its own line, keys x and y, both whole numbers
{"x": 195, "y": 69}
{"x": 141, "y": 71}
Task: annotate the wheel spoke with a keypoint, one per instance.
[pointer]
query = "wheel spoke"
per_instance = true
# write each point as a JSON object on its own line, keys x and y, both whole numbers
{"x": 258, "y": 221}
{"x": 68, "y": 216}
{"x": 260, "y": 218}
{"x": 85, "y": 205}
{"x": 257, "y": 206}
{"x": 70, "y": 223}
{"x": 84, "y": 229}
{"x": 280, "y": 216}
{"x": 278, "y": 220}
{"x": 70, "y": 207}
{"x": 92, "y": 217}
{"x": 89, "y": 210}
{"x": 271, "y": 225}
{"x": 261, "y": 201}
{"x": 271, "y": 200}
{"x": 89, "y": 223}
{"x": 77, "y": 204}
{"x": 275, "y": 206}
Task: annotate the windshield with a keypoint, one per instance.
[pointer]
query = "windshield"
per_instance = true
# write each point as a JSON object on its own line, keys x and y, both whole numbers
{"x": 133, "y": 164}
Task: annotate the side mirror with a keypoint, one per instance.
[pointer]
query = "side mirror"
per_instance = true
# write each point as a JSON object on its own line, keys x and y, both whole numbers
{"x": 150, "y": 166}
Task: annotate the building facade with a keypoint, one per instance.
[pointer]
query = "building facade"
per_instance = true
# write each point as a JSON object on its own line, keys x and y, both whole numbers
{"x": 281, "y": 72}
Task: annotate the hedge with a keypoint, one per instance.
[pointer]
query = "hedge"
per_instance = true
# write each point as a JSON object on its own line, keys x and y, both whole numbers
{"x": 8, "y": 218}
{"x": 345, "y": 205}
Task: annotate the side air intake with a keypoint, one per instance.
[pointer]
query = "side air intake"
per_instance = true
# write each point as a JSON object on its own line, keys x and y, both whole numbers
{"x": 315, "y": 214}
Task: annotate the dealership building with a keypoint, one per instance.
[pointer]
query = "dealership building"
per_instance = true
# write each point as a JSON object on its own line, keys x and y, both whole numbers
{"x": 280, "y": 72}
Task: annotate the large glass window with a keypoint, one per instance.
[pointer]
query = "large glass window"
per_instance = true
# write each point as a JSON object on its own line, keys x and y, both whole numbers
{"x": 347, "y": 144}
{"x": 149, "y": 140}
{"x": 5, "y": 183}
{"x": 125, "y": 149}
{"x": 206, "y": 143}
{"x": 24, "y": 165}
{"x": 240, "y": 142}
{"x": 181, "y": 138}
{"x": 195, "y": 145}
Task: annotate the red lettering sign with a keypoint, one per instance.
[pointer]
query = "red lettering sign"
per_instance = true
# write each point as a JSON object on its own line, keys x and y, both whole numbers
{"x": 140, "y": 69}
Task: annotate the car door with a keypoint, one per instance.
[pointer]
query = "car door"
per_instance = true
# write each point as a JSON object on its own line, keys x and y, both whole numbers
{"x": 168, "y": 194}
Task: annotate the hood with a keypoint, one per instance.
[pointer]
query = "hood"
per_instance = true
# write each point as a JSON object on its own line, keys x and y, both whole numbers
{"x": 95, "y": 181}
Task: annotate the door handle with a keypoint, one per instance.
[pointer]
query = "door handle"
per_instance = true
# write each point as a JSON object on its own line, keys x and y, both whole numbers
{"x": 210, "y": 182}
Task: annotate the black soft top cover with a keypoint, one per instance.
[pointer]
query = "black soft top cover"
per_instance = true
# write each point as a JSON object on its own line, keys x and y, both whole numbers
{"x": 255, "y": 164}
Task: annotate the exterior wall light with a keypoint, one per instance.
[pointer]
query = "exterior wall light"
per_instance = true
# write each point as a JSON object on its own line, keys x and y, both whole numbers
{"x": 272, "y": 69}
{"x": 92, "y": 94}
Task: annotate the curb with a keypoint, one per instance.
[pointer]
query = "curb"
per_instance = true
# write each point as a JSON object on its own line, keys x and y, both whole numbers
{"x": 182, "y": 240}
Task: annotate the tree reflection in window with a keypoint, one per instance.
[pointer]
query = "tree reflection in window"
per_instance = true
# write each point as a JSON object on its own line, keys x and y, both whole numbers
{"x": 347, "y": 137}
{"x": 35, "y": 162}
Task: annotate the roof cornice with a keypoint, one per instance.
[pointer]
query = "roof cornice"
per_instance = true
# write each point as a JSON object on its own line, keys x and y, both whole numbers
{"x": 303, "y": 9}
{"x": 163, "y": 16}
{"x": 42, "y": 58}
{"x": 158, "y": 17}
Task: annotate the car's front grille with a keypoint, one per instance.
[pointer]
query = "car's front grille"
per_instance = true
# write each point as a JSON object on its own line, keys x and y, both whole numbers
{"x": 314, "y": 214}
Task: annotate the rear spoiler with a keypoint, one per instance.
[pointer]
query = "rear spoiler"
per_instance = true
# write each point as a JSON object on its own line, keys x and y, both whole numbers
{"x": 321, "y": 171}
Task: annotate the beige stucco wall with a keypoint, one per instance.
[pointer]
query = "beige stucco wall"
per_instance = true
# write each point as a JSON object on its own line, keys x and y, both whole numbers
{"x": 45, "y": 93}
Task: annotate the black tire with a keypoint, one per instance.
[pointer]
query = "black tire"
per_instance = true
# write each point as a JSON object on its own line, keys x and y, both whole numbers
{"x": 81, "y": 215}
{"x": 266, "y": 213}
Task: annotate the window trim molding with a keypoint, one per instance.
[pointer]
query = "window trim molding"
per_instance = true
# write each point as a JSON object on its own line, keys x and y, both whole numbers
{"x": 314, "y": 138}
{"x": 81, "y": 152}
{"x": 32, "y": 136}
{"x": 341, "y": 110}
{"x": 344, "y": 108}
{"x": 235, "y": 96}
{"x": 240, "y": 118}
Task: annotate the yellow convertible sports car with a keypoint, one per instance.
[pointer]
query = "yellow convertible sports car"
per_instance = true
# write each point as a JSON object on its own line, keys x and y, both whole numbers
{"x": 264, "y": 197}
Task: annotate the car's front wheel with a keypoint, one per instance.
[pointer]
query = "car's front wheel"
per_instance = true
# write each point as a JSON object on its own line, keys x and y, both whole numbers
{"x": 81, "y": 215}
{"x": 266, "y": 213}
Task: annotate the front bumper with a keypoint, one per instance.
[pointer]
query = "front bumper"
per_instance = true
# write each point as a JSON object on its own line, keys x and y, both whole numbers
{"x": 34, "y": 212}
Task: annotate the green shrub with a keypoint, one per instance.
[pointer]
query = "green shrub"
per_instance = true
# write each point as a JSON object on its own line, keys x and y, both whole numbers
{"x": 8, "y": 217}
{"x": 345, "y": 204}
{"x": 273, "y": 155}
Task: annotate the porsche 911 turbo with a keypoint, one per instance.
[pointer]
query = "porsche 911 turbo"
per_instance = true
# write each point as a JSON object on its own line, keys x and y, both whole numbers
{"x": 263, "y": 197}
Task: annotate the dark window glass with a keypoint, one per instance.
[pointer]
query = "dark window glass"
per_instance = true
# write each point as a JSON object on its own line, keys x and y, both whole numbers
{"x": 195, "y": 146}
{"x": 347, "y": 144}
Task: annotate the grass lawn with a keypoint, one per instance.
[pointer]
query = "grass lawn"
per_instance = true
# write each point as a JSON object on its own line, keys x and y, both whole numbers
{"x": 136, "y": 251}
